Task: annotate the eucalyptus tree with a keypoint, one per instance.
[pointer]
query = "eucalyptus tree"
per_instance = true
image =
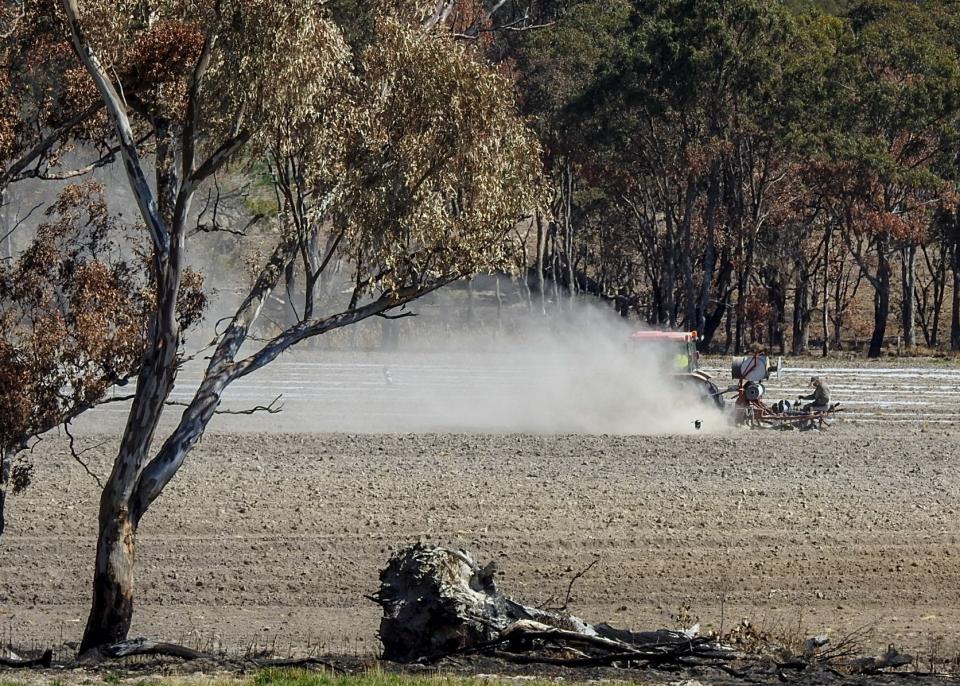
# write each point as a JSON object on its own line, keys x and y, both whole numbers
{"x": 409, "y": 153}
{"x": 899, "y": 111}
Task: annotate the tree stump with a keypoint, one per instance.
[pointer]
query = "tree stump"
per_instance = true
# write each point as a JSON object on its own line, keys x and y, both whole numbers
{"x": 438, "y": 601}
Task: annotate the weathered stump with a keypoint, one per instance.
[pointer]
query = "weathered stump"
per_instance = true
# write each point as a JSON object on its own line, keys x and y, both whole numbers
{"x": 437, "y": 601}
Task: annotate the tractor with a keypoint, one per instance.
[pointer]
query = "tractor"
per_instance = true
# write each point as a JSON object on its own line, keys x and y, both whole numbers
{"x": 677, "y": 350}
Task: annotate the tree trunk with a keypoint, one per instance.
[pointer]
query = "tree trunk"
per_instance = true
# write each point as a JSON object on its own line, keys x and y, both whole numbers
{"x": 554, "y": 263}
{"x": 825, "y": 311}
{"x": 801, "y": 316}
{"x": 881, "y": 302}
{"x": 468, "y": 313}
{"x": 6, "y": 466}
{"x": 541, "y": 249}
{"x": 710, "y": 251}
{"x": 955, "y": 304}
{"x": 568, "y": 232}
{"x": 741, "y": 313}
{"x": 777, "y": 297}
{"x": 938, "y": 293}
{"x": 666, "y": 310}
{"x": 908, "y": 283}
{"x": 499, "y": 293}
{"x": 728, "y": 330}
{"x": 112, "y": 609}
{"x": 955, "y": 299}
{"x": 438, "y": 602}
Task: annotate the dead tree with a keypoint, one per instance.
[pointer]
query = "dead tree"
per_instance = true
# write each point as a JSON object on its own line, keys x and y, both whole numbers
{"x": 439, "y": 602}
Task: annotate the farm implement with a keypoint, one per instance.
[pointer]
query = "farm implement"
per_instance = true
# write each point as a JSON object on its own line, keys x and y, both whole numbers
{"x": 747, "y": 403}
{"x": 749, "y": 408}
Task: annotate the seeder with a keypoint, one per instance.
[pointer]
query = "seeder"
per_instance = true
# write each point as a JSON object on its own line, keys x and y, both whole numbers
{"x": 750, "y": 410}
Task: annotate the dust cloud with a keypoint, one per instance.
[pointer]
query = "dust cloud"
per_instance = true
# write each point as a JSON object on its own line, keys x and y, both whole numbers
{"x": 572, "y": 372}
{"x": 576, "y": 372}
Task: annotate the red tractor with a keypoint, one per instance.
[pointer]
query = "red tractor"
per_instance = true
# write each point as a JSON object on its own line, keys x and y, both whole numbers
{"x": 677, "y": 351}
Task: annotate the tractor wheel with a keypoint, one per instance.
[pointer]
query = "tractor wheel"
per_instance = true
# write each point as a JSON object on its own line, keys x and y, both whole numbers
{"x": 705, "y": 389}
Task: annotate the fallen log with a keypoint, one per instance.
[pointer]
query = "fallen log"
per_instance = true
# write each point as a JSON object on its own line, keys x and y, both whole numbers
{"x": 44, "y": 660}
{"x": 144, "y": 646}
{"x": 439, "y": 602}
{"x": 891, "y": 659}
{"x": 295, "y": 662}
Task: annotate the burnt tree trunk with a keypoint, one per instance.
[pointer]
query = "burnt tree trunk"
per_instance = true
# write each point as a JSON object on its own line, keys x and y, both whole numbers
{"x": 825, "y": 311}
{"x": 112, "y": 608}
{"x": 541, "y": 249}
{"x": 6, "y": 467}
{"x": 908, "y": 258}
{"x": 801, "y": 313}
{"x": 568, "y": 231}
{"x": 955, "y": 299}
{"x": 881, "y": 309}
{"x": 438, "y": 601}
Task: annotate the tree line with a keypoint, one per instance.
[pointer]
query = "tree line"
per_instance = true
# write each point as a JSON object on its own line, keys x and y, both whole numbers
{"x": 752, "y": 170}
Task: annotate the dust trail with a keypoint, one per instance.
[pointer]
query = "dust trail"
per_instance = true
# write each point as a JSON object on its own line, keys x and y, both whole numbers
{"x": 571, "y": 372}
{"x": 575, "y": 372}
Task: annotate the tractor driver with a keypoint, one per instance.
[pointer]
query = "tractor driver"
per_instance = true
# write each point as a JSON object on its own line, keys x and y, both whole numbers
{"x": 820, "y": 396}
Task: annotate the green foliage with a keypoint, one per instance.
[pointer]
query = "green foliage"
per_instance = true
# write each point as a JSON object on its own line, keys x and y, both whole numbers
{"x": 829, "y": 6}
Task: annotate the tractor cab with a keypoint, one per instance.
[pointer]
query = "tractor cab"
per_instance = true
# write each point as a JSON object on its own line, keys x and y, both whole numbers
{"x": 678, "y": 349}
{"x": 676, "y": 353}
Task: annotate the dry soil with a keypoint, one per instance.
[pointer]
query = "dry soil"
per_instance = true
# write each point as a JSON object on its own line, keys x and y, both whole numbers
{"x": 274, "y": 539}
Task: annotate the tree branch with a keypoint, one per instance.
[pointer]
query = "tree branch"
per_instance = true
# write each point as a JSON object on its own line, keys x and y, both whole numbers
{"x": 13, "y": 171}
{"x": 109, "y": 157}
{"x": 76, "y": 455}
{"x": 144, "y": 195}
{"x": 20, "y": 222}
{"x": 219, "y": 157}
{"x": 272, "y": 408}
{"x": 193, "y": 110}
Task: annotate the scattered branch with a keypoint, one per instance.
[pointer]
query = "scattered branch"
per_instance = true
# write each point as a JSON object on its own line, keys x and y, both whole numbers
{"x": 298, "y": 662}
{"x": 566, "y": 600}
{"x": 272, "y": 408}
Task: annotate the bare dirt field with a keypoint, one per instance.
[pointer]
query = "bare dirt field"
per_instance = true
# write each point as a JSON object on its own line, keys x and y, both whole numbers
{"x": 275, "y": 538}
{"x": 277, "y": 526}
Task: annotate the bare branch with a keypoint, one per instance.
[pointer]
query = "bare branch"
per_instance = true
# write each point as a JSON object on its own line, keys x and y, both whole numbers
{"x": 295, "y": 334}
{"x": 218, "y": 157}
{"x": 272, "y": 408}
{"x": 517, "y": 27}
{"x": 13, "y": 171}
{"x": 109, "y": 157}
{"x": 566, "y": 600}
{"x": 20, "y": 222}
{"x": 146, "y": 200}
{"x": 77, "y": 455}
{"x": 117, "y": 399}
{"x": 402, "y": 315}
